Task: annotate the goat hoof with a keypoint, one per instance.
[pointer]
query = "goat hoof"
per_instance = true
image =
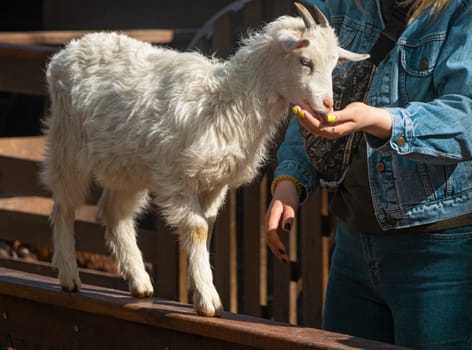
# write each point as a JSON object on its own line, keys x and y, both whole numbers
{"x": 70, "y": 284}
{"x": 68, "y": 272}
{"x": 142, "y": 293}
{"x": 141, "y": 289}
{"x": 208, "y": 305}
{"x": 72, "y": 287}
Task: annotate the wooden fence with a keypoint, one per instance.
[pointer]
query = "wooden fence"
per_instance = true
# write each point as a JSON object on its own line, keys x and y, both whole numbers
{"x": 264, "y": 299}
{"x": 248, "y": 279}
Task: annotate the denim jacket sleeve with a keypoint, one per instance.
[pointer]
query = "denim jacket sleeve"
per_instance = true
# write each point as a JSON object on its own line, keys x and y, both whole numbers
{"x": 438, "y": 69}
{"x": 292, "y": 159}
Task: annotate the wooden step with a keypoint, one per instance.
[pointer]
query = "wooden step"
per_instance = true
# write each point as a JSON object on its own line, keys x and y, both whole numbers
{"x": 23, "y": 56}
{"x": 59, "y": 37}
{"x": 35, "y": 310}
{"x": 27, "y": 219}
{"x": 26, "y": 148}
{"x": 19, "y": 165}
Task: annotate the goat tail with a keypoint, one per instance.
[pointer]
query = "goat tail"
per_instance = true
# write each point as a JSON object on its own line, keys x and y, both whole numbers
{"x": 61, "y": 171}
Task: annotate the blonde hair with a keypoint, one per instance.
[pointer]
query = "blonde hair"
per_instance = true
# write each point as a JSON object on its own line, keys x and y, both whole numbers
{"x": 417, "y": 7}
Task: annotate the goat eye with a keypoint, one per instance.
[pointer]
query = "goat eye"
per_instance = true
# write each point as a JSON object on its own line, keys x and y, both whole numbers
{"x": 306, "y": 62}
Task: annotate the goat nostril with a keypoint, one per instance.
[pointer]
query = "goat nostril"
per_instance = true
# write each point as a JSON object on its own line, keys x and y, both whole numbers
{"x": 328, "y": 103}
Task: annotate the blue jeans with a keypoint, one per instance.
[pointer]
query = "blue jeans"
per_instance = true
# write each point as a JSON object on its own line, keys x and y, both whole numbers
{"x": 413, "y": 290}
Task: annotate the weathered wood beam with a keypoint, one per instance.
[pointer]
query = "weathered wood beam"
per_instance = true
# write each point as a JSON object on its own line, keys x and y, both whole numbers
{"x": 33, "y": 308}
{"x": 23, "y": 56}
{"x": 59, "y": 37}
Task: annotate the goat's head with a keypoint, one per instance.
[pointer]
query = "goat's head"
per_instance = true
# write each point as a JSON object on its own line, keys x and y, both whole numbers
{"x": 308, "y": 53}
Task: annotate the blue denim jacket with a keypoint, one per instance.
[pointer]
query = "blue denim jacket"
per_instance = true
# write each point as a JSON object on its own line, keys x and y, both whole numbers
{"x": 426, "y": 84}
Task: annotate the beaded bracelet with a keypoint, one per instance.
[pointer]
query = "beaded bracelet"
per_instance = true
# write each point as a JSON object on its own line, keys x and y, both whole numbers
{"x": 293, "y": 180}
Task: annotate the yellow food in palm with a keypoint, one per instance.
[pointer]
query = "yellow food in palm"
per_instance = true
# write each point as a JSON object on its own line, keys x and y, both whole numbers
{"x": 330, "y": 117}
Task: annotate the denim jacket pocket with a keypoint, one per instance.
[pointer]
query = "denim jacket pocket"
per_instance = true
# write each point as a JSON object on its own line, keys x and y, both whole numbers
{"x": 417, "y": 62}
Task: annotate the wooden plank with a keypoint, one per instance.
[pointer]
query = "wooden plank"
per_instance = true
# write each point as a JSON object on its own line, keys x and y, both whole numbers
{"x": 40, "y": 52}
{"x": 88, "y": 276}
{"x": 165, "y": 261}
{"x": 24, "y": 328}
{"x": 281, "y": 7}
{"x": 20, "y": 177}
{"x": 184, "y": 295}
{"x": 26, "y": 148}
{"x": 22, "y": 66}
{"x": 21, "y": 155}
{"x": 225, "y": 257}
{"x": 255, "y": 253}
{"x": 26, "y": 219}
{"x": 59, "y": 37}
{"x": 284, "y": 290}
{"x": 42, "y": 207}
{"x": 312, "y": 266}
{"x": 23, "y": 74}
{"x": 253, "y": 14}
{"x": 222, "y": 36}
{"x": 102, "y": 303}
{"x": 68, "y": 14}
{"x": 328, "y": 229}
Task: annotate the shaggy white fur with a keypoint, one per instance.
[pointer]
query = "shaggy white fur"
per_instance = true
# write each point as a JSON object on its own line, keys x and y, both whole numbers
{"x": 139, "y": 118}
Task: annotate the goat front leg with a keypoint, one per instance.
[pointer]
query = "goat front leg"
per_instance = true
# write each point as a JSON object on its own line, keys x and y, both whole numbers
{"x": 212, "y": 202}
{"x": 206, "y": 300}
{"x": 193, "y": 228}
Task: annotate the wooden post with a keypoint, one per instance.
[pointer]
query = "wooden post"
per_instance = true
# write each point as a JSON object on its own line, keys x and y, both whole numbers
{"x": 165, "y": 260}
{"x": 225, "y": 258}
{"x": 254, "y": 247}
{"x": 312, "y": 264}
{"x": 284, "y": 306}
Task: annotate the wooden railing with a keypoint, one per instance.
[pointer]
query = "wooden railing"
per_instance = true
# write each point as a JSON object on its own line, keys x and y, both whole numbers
{"x": 35, "y": 314}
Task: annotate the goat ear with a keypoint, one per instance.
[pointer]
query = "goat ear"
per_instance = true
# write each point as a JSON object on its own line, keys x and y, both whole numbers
{"x": 291, "y": 44}
{"x": 346, "y": 55}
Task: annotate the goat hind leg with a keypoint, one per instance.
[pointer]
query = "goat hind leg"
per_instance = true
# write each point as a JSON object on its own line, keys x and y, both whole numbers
{"x": 67, "y": 198}
{"x": 117, "y": 210}
{"x": 64, "y": 258}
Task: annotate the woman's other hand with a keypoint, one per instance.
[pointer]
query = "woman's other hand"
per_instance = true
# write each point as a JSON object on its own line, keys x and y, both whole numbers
{"x": 281, "y": 215}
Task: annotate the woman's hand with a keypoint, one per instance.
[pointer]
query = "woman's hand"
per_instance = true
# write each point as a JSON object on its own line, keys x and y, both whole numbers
{"x": 281, "y": 214}
{"x": 356, "y": 116}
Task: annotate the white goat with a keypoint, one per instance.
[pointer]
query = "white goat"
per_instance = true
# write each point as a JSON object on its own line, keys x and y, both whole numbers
{"x": 139, "y": 119}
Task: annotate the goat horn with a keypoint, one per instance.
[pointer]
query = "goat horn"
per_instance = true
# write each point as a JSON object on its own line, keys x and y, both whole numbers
{"x": 313, "y": 18}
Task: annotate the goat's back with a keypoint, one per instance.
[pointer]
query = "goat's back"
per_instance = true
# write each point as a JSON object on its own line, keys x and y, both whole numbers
{"x": 127, "y": 107}
{"x": 108, "y": 65}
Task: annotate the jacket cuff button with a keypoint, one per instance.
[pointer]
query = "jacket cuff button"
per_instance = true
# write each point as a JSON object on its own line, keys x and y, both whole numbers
{"x": 401, "y": 141}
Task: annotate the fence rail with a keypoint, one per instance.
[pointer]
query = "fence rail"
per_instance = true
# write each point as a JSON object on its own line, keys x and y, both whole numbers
{"x": 90, "y": 320}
